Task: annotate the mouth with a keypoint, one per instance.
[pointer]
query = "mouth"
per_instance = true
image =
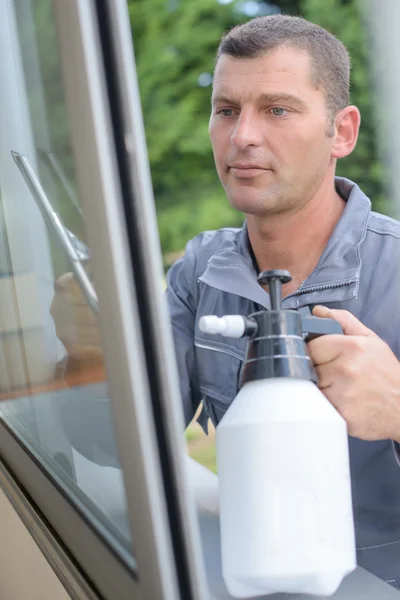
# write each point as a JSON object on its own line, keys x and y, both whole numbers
{"x": 247, "y": 170}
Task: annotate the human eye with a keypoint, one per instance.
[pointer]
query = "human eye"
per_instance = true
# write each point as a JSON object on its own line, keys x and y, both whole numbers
{"x": 224, "y": 112}
{"x": 278, "y": 111}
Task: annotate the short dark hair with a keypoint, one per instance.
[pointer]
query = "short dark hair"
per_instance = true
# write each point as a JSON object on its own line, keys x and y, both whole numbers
{"x": 330, "y": 60}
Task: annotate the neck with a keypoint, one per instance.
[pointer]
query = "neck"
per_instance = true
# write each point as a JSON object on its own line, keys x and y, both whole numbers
{"x": 295, "y": 240}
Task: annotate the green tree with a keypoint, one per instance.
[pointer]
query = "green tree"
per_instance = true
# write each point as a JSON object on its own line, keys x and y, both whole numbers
{"x": 344, "y": 20}
{"x": 175, "y": 44}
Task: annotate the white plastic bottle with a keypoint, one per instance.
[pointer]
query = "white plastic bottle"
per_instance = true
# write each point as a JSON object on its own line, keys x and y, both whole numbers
{"x": 283, "y": 466}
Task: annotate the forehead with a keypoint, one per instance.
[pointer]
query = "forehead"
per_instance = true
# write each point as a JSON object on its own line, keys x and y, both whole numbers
{"x": 284, "y": 70}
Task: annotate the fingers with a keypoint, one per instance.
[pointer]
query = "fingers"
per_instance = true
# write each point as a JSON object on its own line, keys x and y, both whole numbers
{"x": 76, "y": 325}
{"x": 325, "y": 349}
{"x": 77, "y": 314}
{"x": 327, "y": 375}
{"x": 86, "y": 335}
{"x": 329, "y": 348}
{"x": 69, "y": 303}
{"x": 67, "y": 287}
{"x": 348, "y": 322}
{"x": 77, "y": 338}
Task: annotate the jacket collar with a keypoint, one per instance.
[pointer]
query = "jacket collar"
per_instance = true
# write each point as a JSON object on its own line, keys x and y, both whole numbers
{"x": 231, "y": 268}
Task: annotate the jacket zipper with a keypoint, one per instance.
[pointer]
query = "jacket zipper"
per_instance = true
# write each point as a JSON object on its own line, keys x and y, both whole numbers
{"x": 319, "y": 288}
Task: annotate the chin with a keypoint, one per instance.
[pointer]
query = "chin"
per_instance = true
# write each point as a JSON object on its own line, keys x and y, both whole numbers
{"x": 253, "y": 204}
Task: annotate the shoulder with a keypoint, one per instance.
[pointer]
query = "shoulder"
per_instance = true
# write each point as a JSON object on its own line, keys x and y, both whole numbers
{"x": 380, "y": 250}
{"x": 201, "y": 248}
{"x": 198, "y": 252}
{"x": 360, "y": 214}
{"x": 383, "y": 225}
{"x": 210, "y": 241}
{"x": 381, "y": 247}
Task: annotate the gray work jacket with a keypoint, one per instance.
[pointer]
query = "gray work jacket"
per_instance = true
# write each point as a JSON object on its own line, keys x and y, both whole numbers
{"x": 359, "y": 271}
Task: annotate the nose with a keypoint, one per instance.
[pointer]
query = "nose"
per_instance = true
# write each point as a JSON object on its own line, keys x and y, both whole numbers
{"x": 247, "y": 131}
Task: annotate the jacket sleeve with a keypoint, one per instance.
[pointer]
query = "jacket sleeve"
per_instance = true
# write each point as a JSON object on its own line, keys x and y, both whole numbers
{"x": 181, "y": 296}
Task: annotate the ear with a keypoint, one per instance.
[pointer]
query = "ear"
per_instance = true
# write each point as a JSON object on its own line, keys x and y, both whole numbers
{"x": 347, "y": 125}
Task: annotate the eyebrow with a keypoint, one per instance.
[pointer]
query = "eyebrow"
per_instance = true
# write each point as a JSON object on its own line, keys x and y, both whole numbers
{"x": 270, "y": 98}
{"x": 223, "y": 100}
{"x": 290, "y": 98}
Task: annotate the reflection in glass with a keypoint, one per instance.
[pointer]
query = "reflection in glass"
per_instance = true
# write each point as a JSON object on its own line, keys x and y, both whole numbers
{"x": 74, "y": 249}
{"x": 57, "y": 406}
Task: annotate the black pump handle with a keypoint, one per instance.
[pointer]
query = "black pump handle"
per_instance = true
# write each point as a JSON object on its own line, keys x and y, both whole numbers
{"x": 275, "y": 279}
{"x": 312, "y": 326}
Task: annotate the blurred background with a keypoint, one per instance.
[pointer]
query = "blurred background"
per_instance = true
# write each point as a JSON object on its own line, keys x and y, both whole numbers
{"x": 175, "y": 43}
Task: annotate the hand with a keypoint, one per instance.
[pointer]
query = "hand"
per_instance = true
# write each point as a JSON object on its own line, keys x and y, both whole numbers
{"x": 76, "y": 325}
{"x": 360, "y": 376}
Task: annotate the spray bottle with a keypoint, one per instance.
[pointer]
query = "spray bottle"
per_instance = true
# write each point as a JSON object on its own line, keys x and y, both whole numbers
{"x": 283, "y": 463}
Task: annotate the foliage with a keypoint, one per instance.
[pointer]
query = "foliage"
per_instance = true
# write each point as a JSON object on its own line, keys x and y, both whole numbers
{"x": 205, "y": 210}
{"x": 175, "y": 44}
{"x": 344, "y": 20}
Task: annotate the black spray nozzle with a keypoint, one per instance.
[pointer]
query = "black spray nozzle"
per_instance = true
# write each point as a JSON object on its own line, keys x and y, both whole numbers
{"x": 274, "y": 280}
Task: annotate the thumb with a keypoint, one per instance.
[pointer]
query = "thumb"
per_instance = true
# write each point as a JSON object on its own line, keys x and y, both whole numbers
{"x": 348, "y": 322}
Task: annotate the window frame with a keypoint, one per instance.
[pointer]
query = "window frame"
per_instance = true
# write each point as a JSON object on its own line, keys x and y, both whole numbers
{"x": 159, "y": 504}
{"x": 115, "y": 187}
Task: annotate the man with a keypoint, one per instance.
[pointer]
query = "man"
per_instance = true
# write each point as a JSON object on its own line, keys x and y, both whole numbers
{"x": 280, "y": 120}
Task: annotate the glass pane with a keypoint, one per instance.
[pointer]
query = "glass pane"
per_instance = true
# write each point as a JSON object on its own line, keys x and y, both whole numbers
{"x": 176, "y": 92}
{"x": 56, "y": 405}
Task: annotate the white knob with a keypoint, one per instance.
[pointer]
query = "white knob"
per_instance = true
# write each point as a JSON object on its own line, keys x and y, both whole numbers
{"x": 229, "y": 325}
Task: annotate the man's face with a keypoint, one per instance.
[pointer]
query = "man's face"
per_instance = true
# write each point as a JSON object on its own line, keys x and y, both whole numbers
{"x": 268, "y": 130}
